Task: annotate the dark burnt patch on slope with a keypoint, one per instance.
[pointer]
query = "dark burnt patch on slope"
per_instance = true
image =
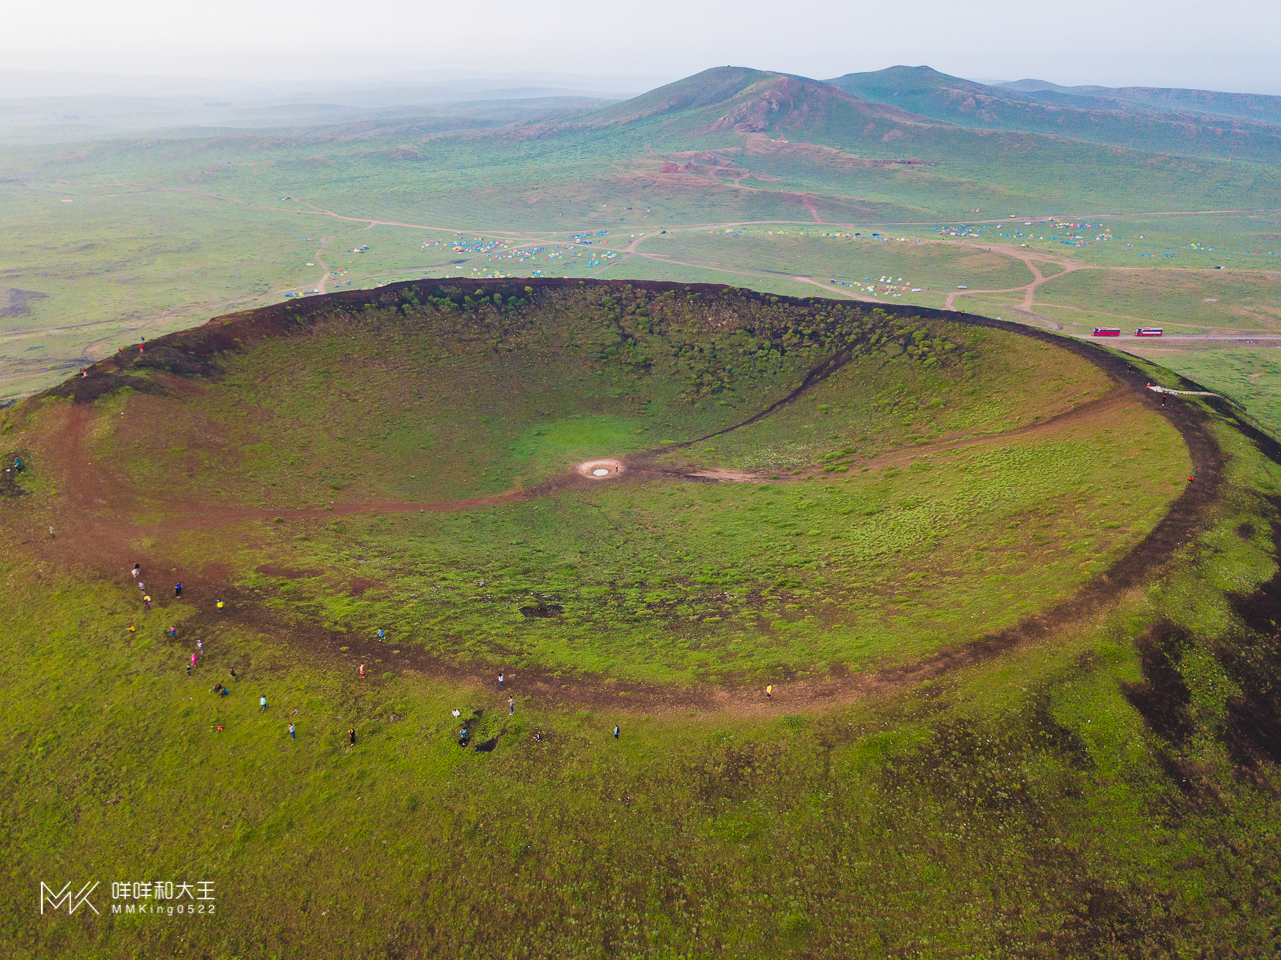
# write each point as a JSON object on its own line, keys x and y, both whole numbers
{"x": 1162, "y": 697}
{"x": 1252, "y": 658}
{"x": 14, "y": 465}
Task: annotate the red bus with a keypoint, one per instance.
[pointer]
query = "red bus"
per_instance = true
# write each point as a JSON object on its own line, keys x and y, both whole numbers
{"x": 1149, "y": 332}
{"x": 1106, "y": 332}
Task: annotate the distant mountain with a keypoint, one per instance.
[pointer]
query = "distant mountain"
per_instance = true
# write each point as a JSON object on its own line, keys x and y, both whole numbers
{"x": 705, "y": 89}
{"x": 737, "y": 99}
{"x": 1257, "y": 108}
{"x": 1190, "y": 122}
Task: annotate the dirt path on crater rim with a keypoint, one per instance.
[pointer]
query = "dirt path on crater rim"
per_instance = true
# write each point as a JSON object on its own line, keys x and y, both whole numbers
{"x": 96, "y": 534}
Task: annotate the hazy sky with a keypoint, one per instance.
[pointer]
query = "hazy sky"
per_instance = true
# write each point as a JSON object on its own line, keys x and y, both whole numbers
{"x": 1226, "y": 44}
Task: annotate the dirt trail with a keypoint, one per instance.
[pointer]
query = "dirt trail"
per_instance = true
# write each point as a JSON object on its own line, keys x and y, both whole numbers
{"x": 833, "y": 288}
{"x": 743, "y": 272}
{"x": 1031, "y": 261}
{"x": 393, "y": 223}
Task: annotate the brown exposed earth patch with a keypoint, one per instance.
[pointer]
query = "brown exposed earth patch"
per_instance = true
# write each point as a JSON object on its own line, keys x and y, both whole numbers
{"x": 14, "y": 302}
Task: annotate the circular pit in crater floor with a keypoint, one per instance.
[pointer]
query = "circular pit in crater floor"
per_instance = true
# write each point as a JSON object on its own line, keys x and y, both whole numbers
{"x": 601, "y": 469}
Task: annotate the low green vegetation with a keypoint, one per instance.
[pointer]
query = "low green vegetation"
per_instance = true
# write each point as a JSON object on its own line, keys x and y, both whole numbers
{"x": 1184, "y": 301}
{"x": 863, "y": 261}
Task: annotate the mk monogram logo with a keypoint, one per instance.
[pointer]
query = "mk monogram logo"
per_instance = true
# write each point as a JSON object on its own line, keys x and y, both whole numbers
{"x": 65, "y": 896}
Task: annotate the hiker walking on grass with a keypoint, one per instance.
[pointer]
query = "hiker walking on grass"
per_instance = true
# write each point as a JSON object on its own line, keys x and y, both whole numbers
{"x": 511, "y": 706}
{"x": 193, "y": 659}
{"x": 351, "y": 737}
{"x": 262, "y": 704}
{"x": 362, "y": 669}
{"x": 291, "y": 732}
{"x": 615, "y": 731}
{"x": 381, "y": 636}
{"x": 147, "y": 601}
{"x": 136, "y": 570}
{"x": 769, "y": 691}
{"x": 177, "y": 591}
{"x": 500, "y": 681}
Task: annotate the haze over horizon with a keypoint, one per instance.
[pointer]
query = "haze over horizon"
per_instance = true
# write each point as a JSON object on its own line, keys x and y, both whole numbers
{"x": 1139, "y": 44}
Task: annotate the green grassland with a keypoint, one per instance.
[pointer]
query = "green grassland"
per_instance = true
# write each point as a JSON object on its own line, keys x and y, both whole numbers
{"x": 1250, "y": 377}
{"x": 439, "y": 392}
{"x": 1186, "y": 301}
{"x": 162, "y": 232}
{"x": 1193, "y": 240}
{"x": 1108, "y": 792}
{"x": 933, "y": 267}
{"x": 659, "y": 585}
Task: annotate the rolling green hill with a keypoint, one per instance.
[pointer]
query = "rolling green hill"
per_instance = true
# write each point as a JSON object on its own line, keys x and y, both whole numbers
{"x": 1191, "y": 122}
{"x": 740, "y": 101}
{"x": 124, "y": 238}
{"x": 1260, "y": 108}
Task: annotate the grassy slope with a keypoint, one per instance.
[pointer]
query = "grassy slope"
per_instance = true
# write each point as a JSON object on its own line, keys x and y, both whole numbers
{"x": 1251, "y": 378}
{"x": 1024, "y": 808}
